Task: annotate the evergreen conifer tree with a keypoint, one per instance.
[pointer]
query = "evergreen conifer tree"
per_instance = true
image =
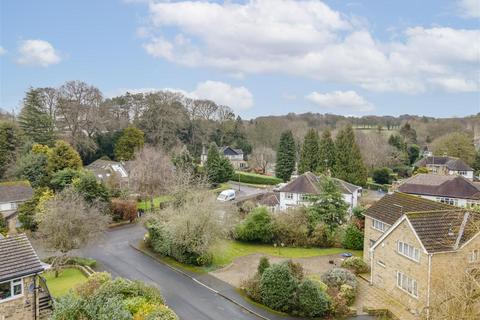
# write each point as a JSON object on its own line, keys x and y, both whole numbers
{"x": 219, "y": 169}
{"x": 36, "y": 124}
{"x": 285, "y": 156}
{"x": 309, "y": 154}
{"x": 326, "y": 152}
{"x": 349, "y": 164}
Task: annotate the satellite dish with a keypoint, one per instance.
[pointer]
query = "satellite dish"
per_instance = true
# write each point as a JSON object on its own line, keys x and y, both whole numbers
{"x": 31, "y": 287}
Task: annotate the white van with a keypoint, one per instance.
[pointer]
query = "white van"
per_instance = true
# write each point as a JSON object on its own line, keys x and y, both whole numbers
{"x": 226, "y": 195}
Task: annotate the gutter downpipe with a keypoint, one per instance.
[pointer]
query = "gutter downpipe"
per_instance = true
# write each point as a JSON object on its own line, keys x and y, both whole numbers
{"x": 429, "y": 284}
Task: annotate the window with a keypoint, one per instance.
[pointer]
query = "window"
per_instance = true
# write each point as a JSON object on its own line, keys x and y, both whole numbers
{"x": 472, "y": 204}
{"x": 474, "y": 256}
{"x": 408, "y": 251}
{"x": 11, "y": 289}
{"x": 462, "y": 173}
{"x": 407, "y": 284}
{"x": 289, "y": 196}
{"x": 303, "y": 197}
{"x": 379, "y": 225}
{"x": 450, "y": 201}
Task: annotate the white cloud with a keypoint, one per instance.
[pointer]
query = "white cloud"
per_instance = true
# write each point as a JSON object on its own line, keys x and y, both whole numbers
{"x": 308, "y": 38}
{"x": 345, "y": 100}
{"x": 37, "y": 52}
{"x": 469, "y": 8}
{"x": 2, "y": 51}
{"x": 238, "y": 98}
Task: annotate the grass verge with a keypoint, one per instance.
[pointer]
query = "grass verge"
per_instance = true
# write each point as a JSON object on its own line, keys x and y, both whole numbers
{"x": 157, "y": 201}
{"x": 67, "y": 280}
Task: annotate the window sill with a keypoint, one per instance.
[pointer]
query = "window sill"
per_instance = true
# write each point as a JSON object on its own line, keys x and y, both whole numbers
{"x": 11, "y": 298}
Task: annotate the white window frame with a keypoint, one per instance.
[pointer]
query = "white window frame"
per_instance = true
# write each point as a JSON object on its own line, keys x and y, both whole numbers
{"x": 407, "y": 284}
{"x": 289, "y": 195}
{"x": 408, "y": 251}
{"x": 379, "y": 225}
{"x": 474, "y": 256}
{"x": 303, "y": 197}
{"x": 13, "y": 283}
{"x": 447, "y": 200}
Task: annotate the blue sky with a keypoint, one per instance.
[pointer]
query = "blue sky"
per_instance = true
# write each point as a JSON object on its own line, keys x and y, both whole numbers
{"x": 260, "y": 57}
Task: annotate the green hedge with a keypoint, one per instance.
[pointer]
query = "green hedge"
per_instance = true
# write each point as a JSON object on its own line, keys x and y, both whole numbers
{"x": 254, "y": 178}
{"x": 377, "y": 186}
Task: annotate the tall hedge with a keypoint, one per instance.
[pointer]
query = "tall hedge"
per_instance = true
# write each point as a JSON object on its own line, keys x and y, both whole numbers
{"x": 278, "y": 287}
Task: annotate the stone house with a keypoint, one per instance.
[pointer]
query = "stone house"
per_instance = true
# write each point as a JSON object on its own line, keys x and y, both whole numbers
{"x": 446, "y": 166}
{"x": 23, "y": 293}
{"x": 235, "y": 156}
{"x": 12, "y": 194}
{"x": 296, "y": 192}
{"x": 423, "y": 253}
{"x": 385, "y": 212}
{"x": 450, "y": 189}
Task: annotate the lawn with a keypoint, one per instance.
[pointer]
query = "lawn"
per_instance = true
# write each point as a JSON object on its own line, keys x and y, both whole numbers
{"x": 226, "y": 251}
{"x": 156, "y": 202}
{"x": 68, "y": 279}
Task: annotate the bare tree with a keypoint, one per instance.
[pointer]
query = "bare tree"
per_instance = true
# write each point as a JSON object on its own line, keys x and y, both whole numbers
{"x": 262, "y": 157}
{"x": 69, "y": 223}
{"x": 151, "y": 173}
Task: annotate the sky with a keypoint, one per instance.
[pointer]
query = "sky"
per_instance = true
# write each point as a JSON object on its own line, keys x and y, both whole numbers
{"x": 260, "y": 57}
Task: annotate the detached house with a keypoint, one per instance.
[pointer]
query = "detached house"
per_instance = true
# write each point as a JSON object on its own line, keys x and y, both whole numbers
{"x": 454, "y": 190}
{"x": 235, "y": 156}
{"x": 446, "y": 166}
{"x": 296, "y": 192}
{"x": 105, "y": 169}
{"x": 424, "y": 254}
{"x": 12, "y": 194}
{"x": 23, "y": 293}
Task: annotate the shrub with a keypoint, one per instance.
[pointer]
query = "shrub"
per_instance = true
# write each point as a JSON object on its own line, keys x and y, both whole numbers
{"x": 134, "y": 304}
{"x": 277, "y": 287}
{"x": 63, "y": 178}
{"x": 68, "y": 307}
{"x": 322, "y": 236}
{"x": 296, "y": 269}
{"x": 339, "y": 306}
{"x": 252, "y": 288}
{"x": 312, "y": 301}
{"x": 348, "y": 293}
{"x": 257, "y": 226}
{"x": 356, "y": 265}
{"x": 92, "y": 284}
{"x": 318, "y": 281}
{"x": 106, "y": 308}
{"x": 3, "y": 225}
{"x": 124, "y": 209}
{"x": 162, "y": 313}
{"x": 263, "y": 264}
{"x": 253, "y": 178}
{"x": 382, "y": 175}
{"x": 335, "y": 277}
{"x": 353, "y": 238}
{"x": 291, "y": 228}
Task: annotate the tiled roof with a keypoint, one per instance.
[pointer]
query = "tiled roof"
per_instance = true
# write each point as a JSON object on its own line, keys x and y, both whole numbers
{"x": 442, "y": 186}
{"x": 13, "y": 192}
{"x": 308, "y": 183}
{"x": 269, "y": 199}
{"x": 227, "y": 150}
{"x": 444, "y": 230}
{"x": 451, "y": 163}
{"x": 392, "y": 206}
{"x": 17, "y": 258}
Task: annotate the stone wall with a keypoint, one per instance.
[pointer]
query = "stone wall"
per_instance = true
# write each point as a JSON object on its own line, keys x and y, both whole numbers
{"x": 370, "y": 234}
{"x": 20, "y": 308}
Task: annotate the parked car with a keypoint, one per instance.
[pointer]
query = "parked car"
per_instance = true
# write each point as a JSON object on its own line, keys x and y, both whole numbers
{"x": 278, "y": 187}
{"x": 226, "y": 195}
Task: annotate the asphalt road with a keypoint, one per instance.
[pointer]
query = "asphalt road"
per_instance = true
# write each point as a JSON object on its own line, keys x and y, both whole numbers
{"x": 190, "y": 300}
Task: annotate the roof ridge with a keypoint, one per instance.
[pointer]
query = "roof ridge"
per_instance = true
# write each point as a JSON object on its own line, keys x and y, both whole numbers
{"x": 438, "y": 210}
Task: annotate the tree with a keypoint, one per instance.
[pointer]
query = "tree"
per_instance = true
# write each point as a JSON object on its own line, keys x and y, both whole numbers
{"x": 37, "y": 125}
{"x": 91, "y": 190}
{"x": 326, "y": 152}
{"x": 285, "y": 156}
{"x": 349, "y": 164}
{"x": 69, "y": 222}
{"x": 396, "y": 141}
{"x": 34, "y": 168}
{"x": 256, "y": 227}
{"x": 152, "y": 173}
{"x": 456, "y": 144}
{"x": 328, "y": 207}
{"x": 476, "y": 163}
{"x": 63, "y": 156}
{"x": 9, "y": 142}
{"x": 408, "y": 133}
{"x": 309, "y": 155}
{"x": 219, "y": 169}
{"x": 413, "y": 152}
{"x": 63, "y": 178}
{"x": 132, "y": 139}
{"x": 262, "y": 158}
{"x": 382, "y": 175}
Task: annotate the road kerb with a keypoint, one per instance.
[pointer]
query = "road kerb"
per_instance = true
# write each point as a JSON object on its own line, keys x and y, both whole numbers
{"x": 200, "y": 283}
